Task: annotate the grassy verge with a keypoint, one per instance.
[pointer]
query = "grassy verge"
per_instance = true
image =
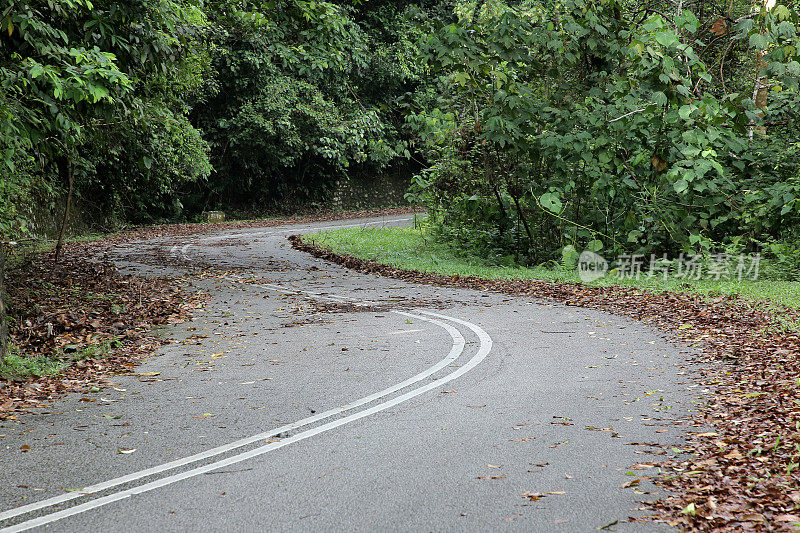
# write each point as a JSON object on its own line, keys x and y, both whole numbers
{"x": 414, "y": 249}
{"x": 15, "y": 366}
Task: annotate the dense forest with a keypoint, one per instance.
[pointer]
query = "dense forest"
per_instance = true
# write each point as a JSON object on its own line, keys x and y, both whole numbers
{"x": 530, "y": 129}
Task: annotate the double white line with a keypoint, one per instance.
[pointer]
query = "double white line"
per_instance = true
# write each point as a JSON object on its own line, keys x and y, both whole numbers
{"x": 485, "y": 345}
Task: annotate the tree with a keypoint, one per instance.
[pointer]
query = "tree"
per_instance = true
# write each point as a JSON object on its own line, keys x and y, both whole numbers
{"x": 299, "y": 98}
{"x": 75, "y": 77}
{"x": 580, "y": 123}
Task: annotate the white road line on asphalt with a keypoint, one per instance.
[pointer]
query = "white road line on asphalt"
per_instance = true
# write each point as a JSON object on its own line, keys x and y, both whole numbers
{"x": 455, "y": 352}
{"x": 401, "y": 331}
{"x": 297, "y": 292}
{"x": 281, "y": 232}
{"x": 483, "y": 351}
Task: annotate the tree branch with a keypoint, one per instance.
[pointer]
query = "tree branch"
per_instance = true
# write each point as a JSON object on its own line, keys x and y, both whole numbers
{"x": 627, "y": 115}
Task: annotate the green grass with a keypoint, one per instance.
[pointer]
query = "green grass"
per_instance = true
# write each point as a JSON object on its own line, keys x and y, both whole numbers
{"x": 411, "y": 248}
{"x": 18, "y": 367}
{"x": 88, "y": 237}
{"x": 14, "y": 366}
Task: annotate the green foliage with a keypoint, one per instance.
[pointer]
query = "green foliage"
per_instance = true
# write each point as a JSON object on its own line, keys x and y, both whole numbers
{"x": 783, "y": 257}
{"x": 87, "y": 83}
{"x": 538, "y": 126}
{"x": 50, "y": 80}
{"x": 292, "y": 107}
{"x": 138, "y": 168}
{"x": 18, "y": 366}
{"x": 585, "y": 122}
{"x": 15, "y": 200}
{"x": 161, "y": 108}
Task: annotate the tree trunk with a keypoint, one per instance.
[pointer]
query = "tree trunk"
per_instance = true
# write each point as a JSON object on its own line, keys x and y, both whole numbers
{"x": 500, "y": 204}
{"x": 521, "y": 215}
{"x": 70, "y": 169}
{"x": 488, "y": 175}
{"x": 3, "y": 325}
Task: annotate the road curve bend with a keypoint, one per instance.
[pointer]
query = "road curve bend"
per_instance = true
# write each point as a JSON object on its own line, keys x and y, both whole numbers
{"x": 306, "y": 397}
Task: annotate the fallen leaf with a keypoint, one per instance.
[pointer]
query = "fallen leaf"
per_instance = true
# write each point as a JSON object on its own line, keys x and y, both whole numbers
{"x": 719, "y": 27}
{"x": 533, "y": 496}
{"x": 690, "y": 510}
{"x": 608, "y": 526}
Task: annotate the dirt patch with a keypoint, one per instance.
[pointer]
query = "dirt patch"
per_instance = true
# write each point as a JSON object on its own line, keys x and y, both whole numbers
{"x": 743, "y": 475}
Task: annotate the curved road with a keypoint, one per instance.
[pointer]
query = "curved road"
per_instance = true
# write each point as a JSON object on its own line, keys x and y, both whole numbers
{"x": 306, "y": 397}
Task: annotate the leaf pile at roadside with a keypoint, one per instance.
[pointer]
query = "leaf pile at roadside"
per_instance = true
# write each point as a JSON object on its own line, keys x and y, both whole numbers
{"x": 85, "y": 317}
{"x": 744, "y": 474}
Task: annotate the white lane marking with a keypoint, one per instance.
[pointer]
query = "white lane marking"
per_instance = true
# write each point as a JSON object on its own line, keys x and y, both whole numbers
{"x": 483, "y": 351}
{"x": 455, "y": 352}
{"x": 401, "y": 331}
{"x": 332, "y": 297}
{"x": 281, "y": 232}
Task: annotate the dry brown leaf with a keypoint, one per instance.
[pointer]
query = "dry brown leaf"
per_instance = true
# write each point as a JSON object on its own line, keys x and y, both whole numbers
{"x": 719, "y": 27}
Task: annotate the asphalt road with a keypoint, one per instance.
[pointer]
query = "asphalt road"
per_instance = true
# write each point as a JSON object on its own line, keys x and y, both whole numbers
{"x": 306, "y": 397}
